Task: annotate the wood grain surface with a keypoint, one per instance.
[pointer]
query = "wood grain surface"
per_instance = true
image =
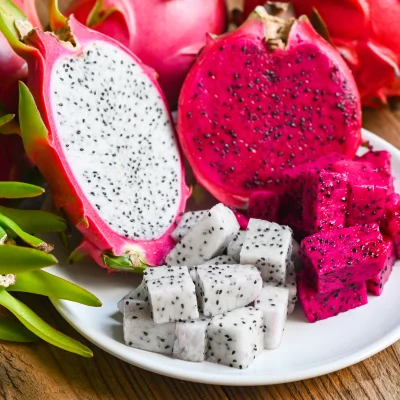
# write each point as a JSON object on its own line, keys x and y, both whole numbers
{"x": 42, "y": 372}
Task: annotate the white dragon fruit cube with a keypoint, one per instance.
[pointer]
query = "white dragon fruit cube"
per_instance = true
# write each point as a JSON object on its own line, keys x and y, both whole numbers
{"x": 163, "y": 271}
{"x": 188, "y": 220}
{"x": 172, "y": 298}
{"x": 206, "y": 239}
{"x": 268, "y": 246}
{"x": 139, "y": 293}
{"x": 236, "y": 338}
{"x": 222, "y": 288}
{"x": 235, "y": 245}
{"x": 141, "y": 332}
{"x": 273, "y": 302}
{"x": 191, "y": 339}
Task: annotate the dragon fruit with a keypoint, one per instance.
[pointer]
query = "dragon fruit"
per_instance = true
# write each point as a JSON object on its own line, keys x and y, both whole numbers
{"x": 191, "y": 339}
{"x": 268, "y": 246}
{"x": 264, "y": 205}
{"x": 236, "y": 338}
{"x": 295, "y": 257}
{"x": 113, "y": 166}
{"x": 220, "y": 260}
{"x": 207, "y": 239}
{"x": 319, "y": 306}
{"x": 334, "y": 259}
{"x": 293, "y": 182}
{"x": 365, "y": 33}
{"x": 141, "y": 332}
{"x": 290, "y": 285}
{"x": 178, "y": 34}
{"x": 187, "y": 221}
{"x": 324, "y": 201}
{"x": 380, "y": 159}
{"x": 368, "y": 191}
{"x": 270, "y": 95}
{"x": 235, "y": 245}
{"x": 222, "y": 288}
{"x": 390, "y": 224}
{"x": 139, "y": 293}
{"x": 172, "y": 297}
{"x": 273, "y": 302}
{"x": 13, "y": 68}
{"x": 376, "y": 284}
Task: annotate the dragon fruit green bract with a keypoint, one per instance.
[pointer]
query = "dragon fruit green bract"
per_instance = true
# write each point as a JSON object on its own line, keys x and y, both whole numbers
{"x": 169, "y": 44}
{"x": 270, "y": 95}
{"x": 104, "y": 141}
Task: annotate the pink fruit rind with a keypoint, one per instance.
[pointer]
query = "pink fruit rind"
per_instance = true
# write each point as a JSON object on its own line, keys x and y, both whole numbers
{"x": 176, "y": 36}
{"x": 46, "y": 152}
{"x": 334, "y": 259}
{"x": 320, "y": 306}
{"x": 376, "y": 284}
{"x": 237, "y": 132}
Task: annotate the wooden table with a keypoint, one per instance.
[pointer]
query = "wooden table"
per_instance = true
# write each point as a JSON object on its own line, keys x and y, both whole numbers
{"x": 40, "y": 371}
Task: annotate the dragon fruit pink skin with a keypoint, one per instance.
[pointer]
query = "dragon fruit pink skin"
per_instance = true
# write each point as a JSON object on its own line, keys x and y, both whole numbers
{"x": 42, "y": 127}
{"x": 376, "y": 284}
{"x": 234, "y": 127}
{"x": 319, "y": 306}
{"x": 176, "y": 36}
{"x": 334, "y": 259}
{"x": 12, "y": 67}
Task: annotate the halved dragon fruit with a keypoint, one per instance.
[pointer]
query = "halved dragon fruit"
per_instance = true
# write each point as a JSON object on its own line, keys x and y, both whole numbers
{"x": 334, "y": 259}
{"x": 270, "y": 95}
{"x": 222, "y": 288}
{"x": 273, "y": 302}
{"x": 191, "y": 339}
{"x": 188, "y": 220}
{"x": 236, "y": 338}
{"x": 268, "y": 246}
{"x": 141, "y": 332}
{"x": 172, "y": 298}
{"x": 264, "y": 205}
{"x": 376, "y": 284}
{"x": 235, "y": 245}
{"x": 318, "y": 306}
{"x": 96, "y": 124}
{"x": 207, "y": 239}
{"x": 139, "y": 293}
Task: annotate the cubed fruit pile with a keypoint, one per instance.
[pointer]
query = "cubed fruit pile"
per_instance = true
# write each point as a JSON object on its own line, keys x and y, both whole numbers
{"x": 225, "y": 308}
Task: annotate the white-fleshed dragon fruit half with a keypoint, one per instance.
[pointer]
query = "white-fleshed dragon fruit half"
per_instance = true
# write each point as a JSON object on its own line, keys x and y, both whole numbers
{"x": 208, "y": 238}
{"x": 97, "y": 126}
{"x": 236, "y": 338}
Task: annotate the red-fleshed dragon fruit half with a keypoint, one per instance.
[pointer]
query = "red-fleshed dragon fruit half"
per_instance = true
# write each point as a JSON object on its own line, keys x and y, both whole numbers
{"x": 271, "y": 95}
{"x": 366, "y": 32}
{"x": 12, "y": 67}
{"x": 169, "y": 44}
{"x": 95, "y": 122}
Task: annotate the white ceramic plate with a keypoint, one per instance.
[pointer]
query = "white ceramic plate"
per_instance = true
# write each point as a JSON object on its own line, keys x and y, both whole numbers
{"x": 307, "y": 350}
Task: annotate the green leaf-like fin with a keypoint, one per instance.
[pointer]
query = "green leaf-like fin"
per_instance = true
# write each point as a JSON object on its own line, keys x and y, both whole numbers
{"x": 19, "y": 190}
{"x": 35, "y": 221}
{"x": 30, "y": 120}
{"x": 124, "y": 263}
{"x": 40, "y": 328}
{"x": 43, "y": 283}
{"x": 15, "y": 332}
{"x": 16, "y": 259}
{"x": 56, "y": 19}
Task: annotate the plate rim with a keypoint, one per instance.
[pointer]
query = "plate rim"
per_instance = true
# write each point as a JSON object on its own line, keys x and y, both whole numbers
{"x": 240, "y": 379}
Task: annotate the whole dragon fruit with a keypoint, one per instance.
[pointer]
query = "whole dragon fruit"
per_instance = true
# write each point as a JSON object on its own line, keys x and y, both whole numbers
{"x": 170, "y": 44}
{"x": 271, "y": 95}
{"x": 366, "y": 34}
{"x": 13, "y": 68}
{"x": 103, "y": 140}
